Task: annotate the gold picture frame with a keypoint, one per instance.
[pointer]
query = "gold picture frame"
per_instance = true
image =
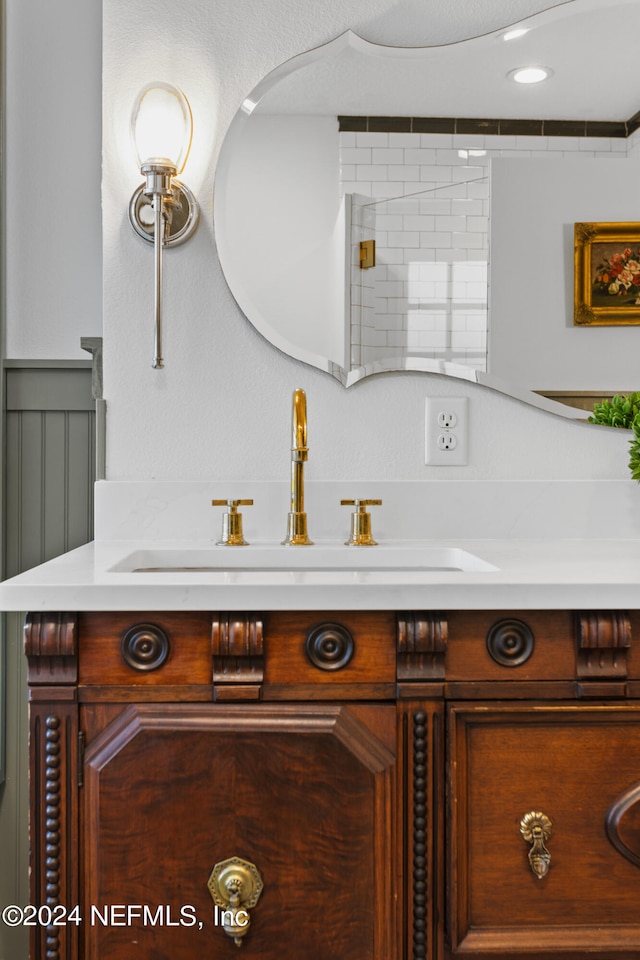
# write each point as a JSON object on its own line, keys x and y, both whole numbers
{"x": 606, "y": 274}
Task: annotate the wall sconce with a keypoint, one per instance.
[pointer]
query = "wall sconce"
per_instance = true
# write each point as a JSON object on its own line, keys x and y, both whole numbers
{"x": 162, "y": 210}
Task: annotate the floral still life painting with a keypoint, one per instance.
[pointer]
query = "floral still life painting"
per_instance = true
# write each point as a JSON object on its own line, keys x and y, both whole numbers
{"x": 607, "y": 273}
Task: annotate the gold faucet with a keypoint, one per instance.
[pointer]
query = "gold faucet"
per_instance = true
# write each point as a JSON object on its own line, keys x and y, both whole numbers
{"x": 297, "y": 521}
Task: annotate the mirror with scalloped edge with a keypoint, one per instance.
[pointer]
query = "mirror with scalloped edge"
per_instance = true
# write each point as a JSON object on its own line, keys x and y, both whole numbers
{"x": 442, "y": 160}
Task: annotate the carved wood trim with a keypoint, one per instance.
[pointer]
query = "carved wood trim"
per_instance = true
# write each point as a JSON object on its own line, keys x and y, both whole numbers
{"x": 421, "y": 645}
{"x": 419, "y": 846}
{"x": 237, "y": 649}
{"x": 53, "y": 745}
{"x": 51, "y": 646}
{"x": 603, "y": 639}
{"x": 420, "y": 743}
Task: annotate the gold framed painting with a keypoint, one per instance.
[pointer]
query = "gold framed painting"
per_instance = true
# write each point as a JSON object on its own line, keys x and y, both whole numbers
{"x": 606, "y": 274}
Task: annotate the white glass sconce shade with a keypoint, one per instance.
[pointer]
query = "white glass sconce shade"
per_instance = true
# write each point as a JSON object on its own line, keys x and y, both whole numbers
{"x": 162, "y": 210}
{"x": 161, "y": 125}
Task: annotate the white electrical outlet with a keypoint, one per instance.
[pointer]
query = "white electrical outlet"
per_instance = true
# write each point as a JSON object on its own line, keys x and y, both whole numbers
{"x": 446, "y": 431}
{"x": 447, "y": 440}
{"x": 447, "y": 419}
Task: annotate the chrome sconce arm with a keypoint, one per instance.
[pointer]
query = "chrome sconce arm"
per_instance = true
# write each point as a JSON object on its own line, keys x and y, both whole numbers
{"x": 162, "y": 210}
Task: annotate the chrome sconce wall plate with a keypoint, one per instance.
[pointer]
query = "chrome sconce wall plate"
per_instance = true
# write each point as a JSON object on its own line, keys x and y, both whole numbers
{"x": 163, "y": 211}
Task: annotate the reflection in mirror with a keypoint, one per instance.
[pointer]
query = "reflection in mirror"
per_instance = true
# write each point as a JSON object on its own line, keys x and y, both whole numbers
{"x": 426, "y": 296}
{"x": 339, "y": 146}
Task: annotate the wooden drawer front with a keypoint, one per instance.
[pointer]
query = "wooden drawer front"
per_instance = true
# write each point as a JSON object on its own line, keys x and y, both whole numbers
{"x": 373, "y": 660}
{"x": 101, "y": 661}
{"x": 283, "y": 642}
{"x": 581, "y": 767}
{"x": 553, "y": 645}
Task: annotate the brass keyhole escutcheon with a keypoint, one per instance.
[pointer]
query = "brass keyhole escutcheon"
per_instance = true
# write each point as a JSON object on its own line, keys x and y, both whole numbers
{"x": 235, "y": 886}
{"x": 535, "y": 828}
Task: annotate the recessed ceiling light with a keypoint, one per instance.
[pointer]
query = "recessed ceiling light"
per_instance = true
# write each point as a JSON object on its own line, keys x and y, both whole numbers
{"x": 530, "y": 74}
{"x": 515, "y": 33}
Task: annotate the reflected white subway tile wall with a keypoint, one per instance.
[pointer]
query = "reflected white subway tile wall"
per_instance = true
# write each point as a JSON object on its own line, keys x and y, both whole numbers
{"x": 425, "y": 200}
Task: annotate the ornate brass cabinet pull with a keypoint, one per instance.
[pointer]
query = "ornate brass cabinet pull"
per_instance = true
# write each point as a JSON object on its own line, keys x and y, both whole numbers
{"x": 535, "y": 828}
{"x": 235, "y": 886}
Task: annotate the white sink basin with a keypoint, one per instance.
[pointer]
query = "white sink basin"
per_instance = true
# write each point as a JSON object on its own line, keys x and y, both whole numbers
{"x": 313, "y": 559}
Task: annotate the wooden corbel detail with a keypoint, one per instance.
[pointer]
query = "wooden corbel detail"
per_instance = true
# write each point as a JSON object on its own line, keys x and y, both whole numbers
{"x": 51, "y": 646}
{"x": 421, "y": 646}
{"x": 603, "y": 639}
{"x": 237, "y": 649}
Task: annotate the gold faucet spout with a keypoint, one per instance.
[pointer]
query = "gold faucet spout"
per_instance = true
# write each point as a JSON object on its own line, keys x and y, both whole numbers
{"x": 297, "y": 521}
{"x": 299, "y": 448}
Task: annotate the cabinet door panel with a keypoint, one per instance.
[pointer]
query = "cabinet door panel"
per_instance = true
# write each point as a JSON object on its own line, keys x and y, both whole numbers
{"x": 580, "y": 766}
{"x": 304, "y": 793}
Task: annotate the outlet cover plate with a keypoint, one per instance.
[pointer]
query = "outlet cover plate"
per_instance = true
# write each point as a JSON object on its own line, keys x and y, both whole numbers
{"x": 447, "y": 446}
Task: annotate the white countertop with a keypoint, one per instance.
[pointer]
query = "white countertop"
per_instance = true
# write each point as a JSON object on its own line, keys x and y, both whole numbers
{"x": 517, "y": 545}
{"x": 515, "y": 574}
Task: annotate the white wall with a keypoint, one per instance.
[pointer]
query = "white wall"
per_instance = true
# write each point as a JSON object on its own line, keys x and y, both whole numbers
{"x": 53, "y": 257}
{"x": 221, "y": 407}
{"x": 532, "y": 274}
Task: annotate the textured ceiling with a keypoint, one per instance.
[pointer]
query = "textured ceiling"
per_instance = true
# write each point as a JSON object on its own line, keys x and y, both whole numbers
{"x": 591, "y": 46}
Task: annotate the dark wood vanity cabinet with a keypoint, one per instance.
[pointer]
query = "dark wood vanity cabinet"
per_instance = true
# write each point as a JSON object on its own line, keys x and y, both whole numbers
{"x": 335, "y": 786}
